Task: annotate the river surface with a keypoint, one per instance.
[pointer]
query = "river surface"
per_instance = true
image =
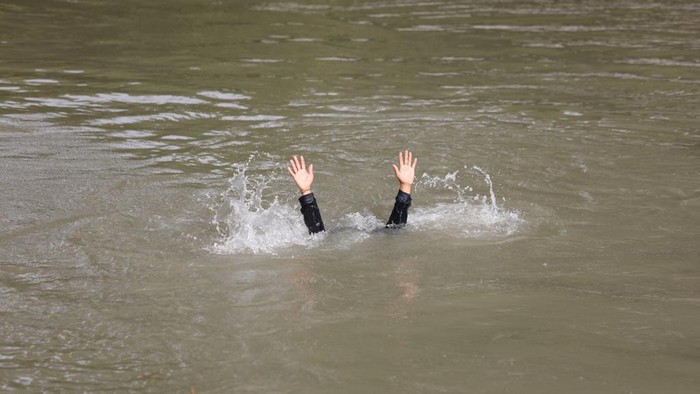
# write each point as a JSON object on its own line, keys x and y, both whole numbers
{"x": 150, "y": 237}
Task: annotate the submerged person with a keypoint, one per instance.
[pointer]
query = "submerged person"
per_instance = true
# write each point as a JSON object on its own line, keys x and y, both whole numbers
{"x": 405, "y": 174}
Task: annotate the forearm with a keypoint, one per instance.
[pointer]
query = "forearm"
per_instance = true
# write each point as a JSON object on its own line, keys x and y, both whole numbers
{"x": 312, "y": 215}
{"x": 399, "y": 215}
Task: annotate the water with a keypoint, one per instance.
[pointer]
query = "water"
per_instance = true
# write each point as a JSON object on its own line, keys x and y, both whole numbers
{"x": 150, "y": 238}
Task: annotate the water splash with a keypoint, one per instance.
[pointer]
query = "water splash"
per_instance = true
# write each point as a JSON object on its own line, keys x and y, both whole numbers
{"x": 467, "y": 215}
{"x": 250, "y": 221}
{"x": 487, "y": 178}
{"x": 254, "y": 216}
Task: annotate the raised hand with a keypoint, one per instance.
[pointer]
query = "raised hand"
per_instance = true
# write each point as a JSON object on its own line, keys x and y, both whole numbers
{"x": 302, "y": 178}
{"x": 405, "y": 171}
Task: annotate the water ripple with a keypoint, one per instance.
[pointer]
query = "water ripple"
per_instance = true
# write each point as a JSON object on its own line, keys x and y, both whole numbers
{"x": 125, "y": 98}
{"x": 223, "y": 96}
{"x": 169, "y": 116}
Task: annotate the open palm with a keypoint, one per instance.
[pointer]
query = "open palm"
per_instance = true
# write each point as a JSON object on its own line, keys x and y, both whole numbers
{"x": 406, "y": 170}
{"x": 301, "y": 176}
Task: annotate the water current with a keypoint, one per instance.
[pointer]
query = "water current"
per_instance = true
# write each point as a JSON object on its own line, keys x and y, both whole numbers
{"x": 151, "y": 239}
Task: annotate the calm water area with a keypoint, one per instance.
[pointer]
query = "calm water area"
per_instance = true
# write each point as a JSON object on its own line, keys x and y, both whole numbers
{"x": 151, "y": 239}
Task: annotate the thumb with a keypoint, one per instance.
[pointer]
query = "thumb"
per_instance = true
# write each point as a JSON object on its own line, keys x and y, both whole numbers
{"x": 396, "y": 170}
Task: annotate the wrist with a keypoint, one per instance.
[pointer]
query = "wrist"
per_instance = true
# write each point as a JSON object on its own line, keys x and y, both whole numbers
{"x": 305, "y": 191}
{"x": 405, "y": 187}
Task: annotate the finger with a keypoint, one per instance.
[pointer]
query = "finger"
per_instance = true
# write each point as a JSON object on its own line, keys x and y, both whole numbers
{"x": 293, "y": 165}
{"x": 400, "y": 158}
{"x": 303, "y": 163}
{"x": 405, "y": 157}
{"x": 290, "y": 171}
{"x": 296, "y": 162}
{"x": 311, "y": 169}
{"x": 410, "y": 156}
{"x": 414, "y": 163}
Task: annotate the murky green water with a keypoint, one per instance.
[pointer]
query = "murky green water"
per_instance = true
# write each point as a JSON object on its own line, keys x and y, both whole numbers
{"x": 150, "y": 239}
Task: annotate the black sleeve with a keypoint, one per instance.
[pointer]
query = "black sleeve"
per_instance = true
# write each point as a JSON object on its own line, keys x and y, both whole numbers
{"x": 312, "y": 216}
{"x": 399, "y": 215}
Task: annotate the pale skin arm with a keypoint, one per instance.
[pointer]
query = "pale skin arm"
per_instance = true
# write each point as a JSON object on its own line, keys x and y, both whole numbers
{"x": 406, "y": 170}
{"x": 302, "y": 177}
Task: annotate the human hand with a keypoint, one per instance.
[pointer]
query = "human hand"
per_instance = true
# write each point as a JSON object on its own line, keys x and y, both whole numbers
{"x": 406, "y": 171}
{"x": 301, "y": 177}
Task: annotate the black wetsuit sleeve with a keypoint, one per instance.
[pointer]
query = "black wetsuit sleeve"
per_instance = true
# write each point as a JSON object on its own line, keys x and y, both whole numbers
{"x": 399, "y": 215}
{"x": 312, "y": 216}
